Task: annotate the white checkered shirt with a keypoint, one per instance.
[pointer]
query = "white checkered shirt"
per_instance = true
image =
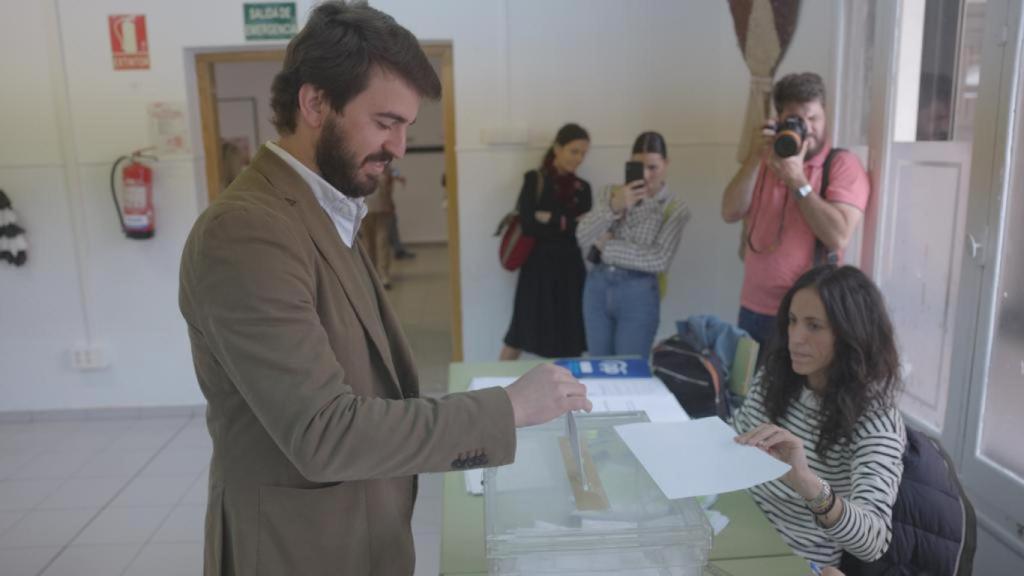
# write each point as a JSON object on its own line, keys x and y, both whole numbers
{"x": 645, "y": 238}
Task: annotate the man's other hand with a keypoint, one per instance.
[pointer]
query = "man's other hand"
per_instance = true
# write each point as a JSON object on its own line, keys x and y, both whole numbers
{"x": 545, "y": 393}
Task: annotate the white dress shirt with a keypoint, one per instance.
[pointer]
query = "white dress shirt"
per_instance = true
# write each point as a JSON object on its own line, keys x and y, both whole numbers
{"x": 346, "y": 213}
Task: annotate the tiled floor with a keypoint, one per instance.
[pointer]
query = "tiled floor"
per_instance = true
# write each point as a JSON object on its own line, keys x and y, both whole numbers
{"x": 108, "y": 497}
{"x": 126, "y": 496}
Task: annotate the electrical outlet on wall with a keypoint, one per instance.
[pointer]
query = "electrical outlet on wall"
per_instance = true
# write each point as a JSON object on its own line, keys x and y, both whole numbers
{"x": 89, "y": 357}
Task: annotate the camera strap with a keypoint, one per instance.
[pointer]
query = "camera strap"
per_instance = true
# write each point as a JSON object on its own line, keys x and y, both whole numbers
{"x": 823, "y": 255}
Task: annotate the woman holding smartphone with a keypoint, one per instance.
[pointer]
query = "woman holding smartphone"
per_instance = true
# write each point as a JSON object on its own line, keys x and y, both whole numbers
{"x": 630, "y": 236}
{"x": 548, "y": 317}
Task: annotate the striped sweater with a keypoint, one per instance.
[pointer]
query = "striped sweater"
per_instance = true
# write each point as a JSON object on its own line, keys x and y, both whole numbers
{"x": 866, "y": 472}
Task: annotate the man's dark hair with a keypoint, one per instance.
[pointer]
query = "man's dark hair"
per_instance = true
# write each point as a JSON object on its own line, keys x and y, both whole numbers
{"x": 865, "y": 369}
{"x": 338, "y": 49}
{"x": 799, "y": 88}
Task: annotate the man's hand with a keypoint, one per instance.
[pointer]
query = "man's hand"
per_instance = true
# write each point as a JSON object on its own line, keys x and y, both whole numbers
{"x": 545, "y": 393}
{"x": 542, "y": 216}
{"x": 603, "y": 240}
{"x": 790, "y": 170}
{"x": 765, "y": 138}
{"x": 625, "y": 197}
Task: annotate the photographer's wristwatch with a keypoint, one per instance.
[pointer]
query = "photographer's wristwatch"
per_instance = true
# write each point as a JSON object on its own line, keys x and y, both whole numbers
{"x": 803, "y": 191}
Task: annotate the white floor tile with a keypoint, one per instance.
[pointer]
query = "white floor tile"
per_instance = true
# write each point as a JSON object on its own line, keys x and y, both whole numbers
{"x": 185, "y": 524}
{"x": 178, "y": 463}
{"x": 426, "y": 516}
{"x": 11, "y": 461}
{"x": 104, "y": 560}
{"x": 25, "y": 561}
{"x": 156, "y": 491}
{"x": 199, "y": 493}
{"x": 123, "y": 526}
{"x": 43, "y": 528}
{"x": 431, "y": 485}
{"x": 115, "y": 462}
{"x": 52, "y": 465}
{"x": 10, "y": 518}
{"x": 26, "y": 494}
{"x": 428, "y": 553}
{"x": 85, "y": 493}
{"x": 168, "y": 559}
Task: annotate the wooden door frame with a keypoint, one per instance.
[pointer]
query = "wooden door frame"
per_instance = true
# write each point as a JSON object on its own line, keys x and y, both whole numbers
{"x": 206, "y": 93}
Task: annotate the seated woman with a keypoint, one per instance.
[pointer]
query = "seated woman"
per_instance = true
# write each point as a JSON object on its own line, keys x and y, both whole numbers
{"x": 630, "y": 236}
{"x": 825, "y": 403}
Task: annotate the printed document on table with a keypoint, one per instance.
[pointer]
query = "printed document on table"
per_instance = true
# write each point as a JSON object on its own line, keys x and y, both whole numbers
{"x": 698, "y": 457}
{"x": 607, "y": 395}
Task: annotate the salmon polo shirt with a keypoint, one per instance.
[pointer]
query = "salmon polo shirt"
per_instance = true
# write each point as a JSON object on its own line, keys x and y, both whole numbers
{"x": 783, "y": 243}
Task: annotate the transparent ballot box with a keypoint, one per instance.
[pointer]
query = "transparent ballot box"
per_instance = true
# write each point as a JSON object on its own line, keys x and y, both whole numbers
{"x": 543, "y": 518}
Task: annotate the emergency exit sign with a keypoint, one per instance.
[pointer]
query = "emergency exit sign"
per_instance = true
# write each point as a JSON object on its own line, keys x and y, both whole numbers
{"x": 270, "y": 21}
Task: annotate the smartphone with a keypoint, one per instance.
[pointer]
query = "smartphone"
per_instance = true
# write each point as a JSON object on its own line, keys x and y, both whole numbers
{"x": 634, "y": 171}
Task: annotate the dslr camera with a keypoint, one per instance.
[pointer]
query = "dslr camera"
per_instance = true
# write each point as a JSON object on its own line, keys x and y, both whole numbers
{"x": 789, "y": 136}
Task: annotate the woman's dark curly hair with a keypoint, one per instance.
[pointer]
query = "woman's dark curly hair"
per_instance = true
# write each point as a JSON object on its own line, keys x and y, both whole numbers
{"x": 865, "y": 368}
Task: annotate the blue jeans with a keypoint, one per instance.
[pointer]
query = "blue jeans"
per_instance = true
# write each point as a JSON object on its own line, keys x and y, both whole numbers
{"x": 621, "y": 309}
{"x": 761, "y": 327}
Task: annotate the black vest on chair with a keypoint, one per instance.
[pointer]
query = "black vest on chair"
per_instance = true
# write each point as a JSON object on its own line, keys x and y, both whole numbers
{"x": 934, "y": 530}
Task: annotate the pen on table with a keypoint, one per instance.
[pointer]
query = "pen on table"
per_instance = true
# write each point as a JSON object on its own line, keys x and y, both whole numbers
{"x": 815, "y": 569}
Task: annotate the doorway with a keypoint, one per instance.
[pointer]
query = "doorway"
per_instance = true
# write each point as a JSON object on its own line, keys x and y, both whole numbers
{"x": 232, "y": 88}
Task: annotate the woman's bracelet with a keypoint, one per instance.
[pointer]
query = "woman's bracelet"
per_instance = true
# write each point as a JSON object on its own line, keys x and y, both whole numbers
{"x": 828, "y": 508}
{"x": 823, "y": 502}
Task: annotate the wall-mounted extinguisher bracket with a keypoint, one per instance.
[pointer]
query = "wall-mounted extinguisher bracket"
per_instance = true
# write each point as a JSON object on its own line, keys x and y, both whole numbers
{"x": 133, "y": 199}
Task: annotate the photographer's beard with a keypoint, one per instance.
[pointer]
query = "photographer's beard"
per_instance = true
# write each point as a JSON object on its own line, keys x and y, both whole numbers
{"x": 338, "y": 163}
{"x": 815, "y": 145}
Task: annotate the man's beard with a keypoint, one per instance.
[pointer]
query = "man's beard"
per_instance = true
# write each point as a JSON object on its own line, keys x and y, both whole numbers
{"x": 819, "y": 145}
{"x": 338, "y": 164}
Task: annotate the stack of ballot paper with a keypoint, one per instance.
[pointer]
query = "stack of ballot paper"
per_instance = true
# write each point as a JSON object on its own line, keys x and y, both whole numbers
{"x": 607, "y": 395}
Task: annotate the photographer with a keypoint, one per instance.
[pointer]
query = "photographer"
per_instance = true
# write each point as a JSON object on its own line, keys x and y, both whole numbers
{"x": 790, "y": 222}
{"x": 631, "y": 237}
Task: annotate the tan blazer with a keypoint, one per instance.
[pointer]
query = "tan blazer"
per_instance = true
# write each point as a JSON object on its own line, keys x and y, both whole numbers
{"x": 313, "y": 406}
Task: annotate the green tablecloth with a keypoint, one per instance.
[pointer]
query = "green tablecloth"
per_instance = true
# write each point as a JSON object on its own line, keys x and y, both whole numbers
{"x": 748, "y": 545}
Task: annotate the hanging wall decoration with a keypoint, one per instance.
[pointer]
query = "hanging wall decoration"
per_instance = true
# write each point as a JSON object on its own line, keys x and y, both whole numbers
{"x": 764, "y": 29}
{"x": 13, "y": 246}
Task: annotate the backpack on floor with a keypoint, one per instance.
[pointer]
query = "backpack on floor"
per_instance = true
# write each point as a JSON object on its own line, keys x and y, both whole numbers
{"x": 693, "y": 376}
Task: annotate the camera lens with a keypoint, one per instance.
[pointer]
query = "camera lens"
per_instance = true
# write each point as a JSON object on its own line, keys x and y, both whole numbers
{"x": 790, "y": 137}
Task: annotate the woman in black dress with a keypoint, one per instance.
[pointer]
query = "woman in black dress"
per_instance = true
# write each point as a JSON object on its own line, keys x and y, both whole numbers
{"x": 548, "y": 315}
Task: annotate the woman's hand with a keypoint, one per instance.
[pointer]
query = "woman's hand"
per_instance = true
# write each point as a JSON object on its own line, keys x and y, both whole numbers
{"x": 542, "y": 216}
{"x": 786, "y": 447}
{"x": 626, "y": 196}
{"x": 603, "y": 240}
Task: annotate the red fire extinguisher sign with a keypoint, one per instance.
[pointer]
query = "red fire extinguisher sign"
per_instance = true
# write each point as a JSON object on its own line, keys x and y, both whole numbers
{"x": 128, "y": 41}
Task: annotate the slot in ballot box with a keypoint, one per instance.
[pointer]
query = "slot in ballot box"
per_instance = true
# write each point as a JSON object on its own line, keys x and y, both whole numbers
{"x": 542, "y": 517}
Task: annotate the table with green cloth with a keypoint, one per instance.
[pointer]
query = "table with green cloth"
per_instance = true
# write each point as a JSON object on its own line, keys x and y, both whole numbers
{"x": 749, "y": 545}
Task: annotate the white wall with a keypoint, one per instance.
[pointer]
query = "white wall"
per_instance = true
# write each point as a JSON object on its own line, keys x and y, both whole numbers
{"x": 616, "y": 66}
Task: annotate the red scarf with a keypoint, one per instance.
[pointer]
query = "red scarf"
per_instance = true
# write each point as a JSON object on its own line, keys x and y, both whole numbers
{"x": 565, "y": 184}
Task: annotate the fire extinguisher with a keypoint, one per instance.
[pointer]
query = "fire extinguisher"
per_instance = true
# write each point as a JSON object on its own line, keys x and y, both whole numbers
{"x": 135, "y": 210}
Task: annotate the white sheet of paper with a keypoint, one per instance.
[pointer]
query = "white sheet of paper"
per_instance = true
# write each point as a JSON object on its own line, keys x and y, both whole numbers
{"x": 607, "y": 395}
{"x": 698, "y": 457}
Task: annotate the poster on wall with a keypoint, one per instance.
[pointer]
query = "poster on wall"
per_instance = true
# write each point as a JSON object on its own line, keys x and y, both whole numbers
{"x": 168, "y": 128}
{"x": 270, "y": 21}
{"x": 128, "y": 41}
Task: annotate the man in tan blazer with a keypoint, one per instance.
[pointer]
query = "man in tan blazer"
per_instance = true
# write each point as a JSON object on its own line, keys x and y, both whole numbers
{"x": 318, "y": 430}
